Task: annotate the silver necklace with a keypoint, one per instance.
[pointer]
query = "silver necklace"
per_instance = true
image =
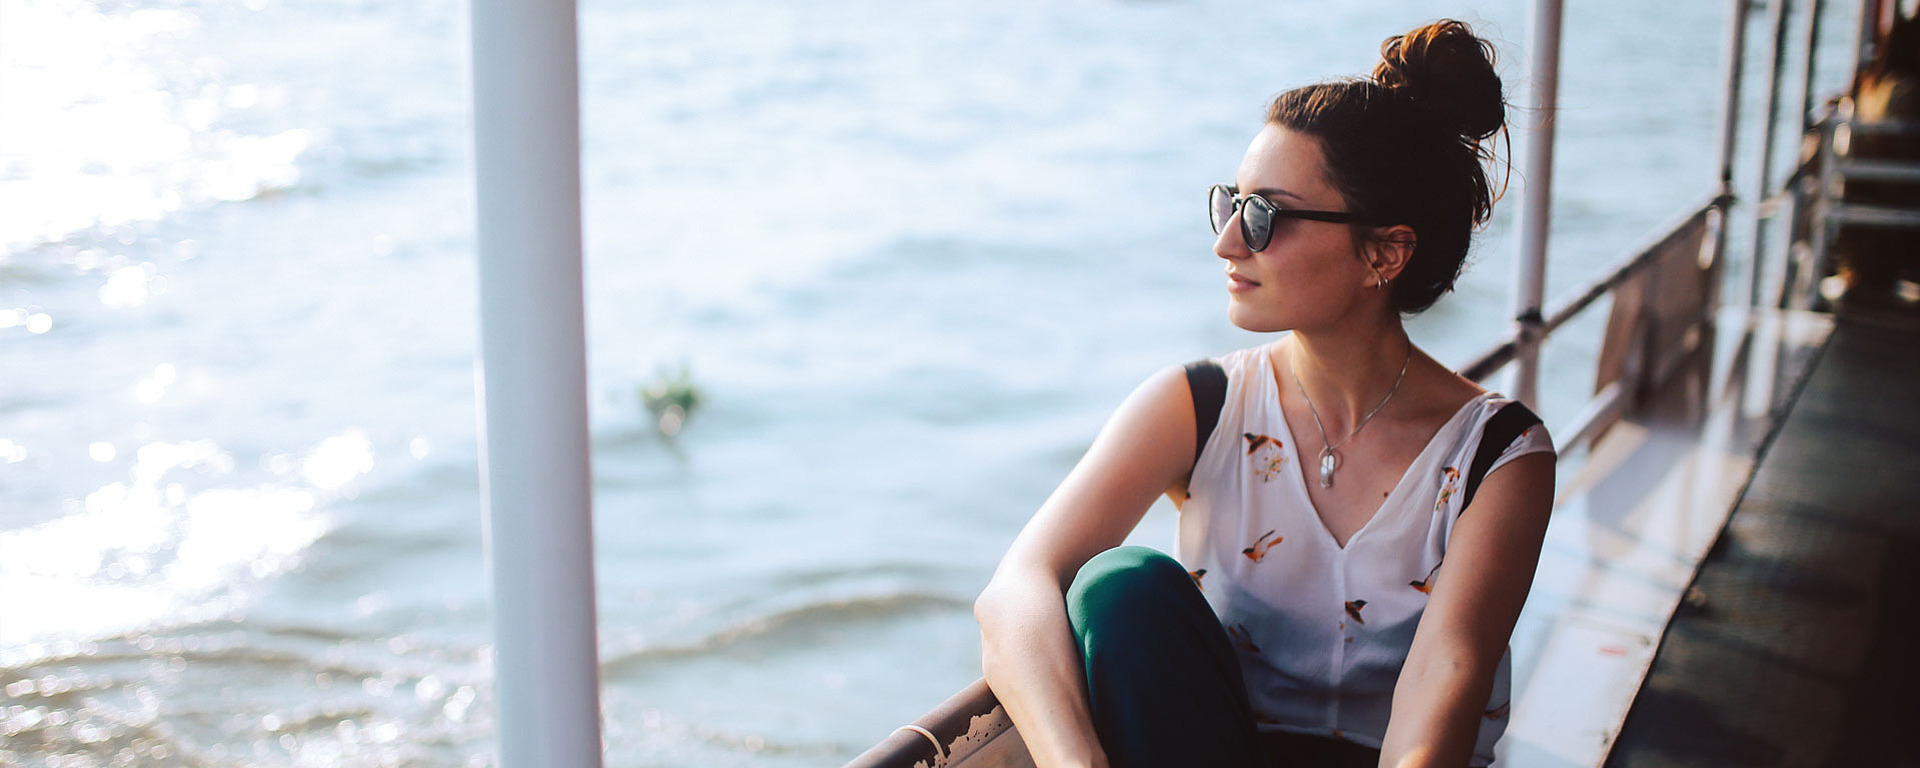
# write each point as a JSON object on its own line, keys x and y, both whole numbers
{"x": 1329, "y": 459}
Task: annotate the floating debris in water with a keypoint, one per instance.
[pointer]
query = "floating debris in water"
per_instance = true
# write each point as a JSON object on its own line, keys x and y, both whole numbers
{"x": 671, "y": 400}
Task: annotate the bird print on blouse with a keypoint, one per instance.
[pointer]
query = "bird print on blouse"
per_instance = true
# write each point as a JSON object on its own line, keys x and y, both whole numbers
{"x": 1242, "y": 639}
{"x": 1498, "y": 712}
{"x": 1353, "y": 609}
{"x": 1269, "y": 464}
{"x": 1258, "y": 551}
{"x": 1426, "y": 585}
{"x": 1450, "y": 485}
{"x": 1197, "y": 576}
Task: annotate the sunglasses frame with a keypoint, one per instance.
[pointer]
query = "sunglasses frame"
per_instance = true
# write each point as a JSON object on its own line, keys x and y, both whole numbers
{"x": 1272, "y": 212}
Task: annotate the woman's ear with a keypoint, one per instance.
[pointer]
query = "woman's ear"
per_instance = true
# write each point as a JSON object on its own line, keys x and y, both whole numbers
{"x": 1389, "y": 250}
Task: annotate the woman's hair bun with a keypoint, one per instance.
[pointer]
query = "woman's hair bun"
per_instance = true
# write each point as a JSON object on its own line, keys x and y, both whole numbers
{"x": 1444, "y": 68}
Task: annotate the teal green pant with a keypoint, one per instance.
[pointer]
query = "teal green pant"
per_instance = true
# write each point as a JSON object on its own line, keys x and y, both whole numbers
{"x": 1163, "y": 679}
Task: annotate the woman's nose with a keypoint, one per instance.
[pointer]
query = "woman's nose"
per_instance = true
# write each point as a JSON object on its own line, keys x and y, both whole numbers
{"x": 1231, "y": 244}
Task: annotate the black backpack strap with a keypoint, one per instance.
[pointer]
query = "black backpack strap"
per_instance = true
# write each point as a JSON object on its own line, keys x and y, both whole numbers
{"x": 1208, "y": 382}
{"x": 1500, "y": 432}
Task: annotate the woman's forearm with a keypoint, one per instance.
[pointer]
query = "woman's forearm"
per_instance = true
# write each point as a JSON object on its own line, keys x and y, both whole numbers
{"x": 1436, "y": 716}
{"x": 1035, "y": 671}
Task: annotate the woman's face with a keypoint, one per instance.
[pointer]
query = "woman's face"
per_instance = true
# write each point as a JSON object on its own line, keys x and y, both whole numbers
{"x": 1310, "y": 273}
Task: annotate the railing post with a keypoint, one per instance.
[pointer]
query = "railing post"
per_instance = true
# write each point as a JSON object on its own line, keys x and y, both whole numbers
{"x": 1823, "y": 227}
{"x": 1863, "y": 46}
{"x": 1777, "y": 18}
{"x": 1733, "y": 67}
{"x": 1536, "y": 206}
{"x": 1796, "y": 264}
{"x": 534, "y": 478}
{"x": 1814, "y": 10}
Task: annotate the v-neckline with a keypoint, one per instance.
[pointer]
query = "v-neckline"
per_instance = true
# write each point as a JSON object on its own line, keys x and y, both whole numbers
{"x": 1299, "y": 483}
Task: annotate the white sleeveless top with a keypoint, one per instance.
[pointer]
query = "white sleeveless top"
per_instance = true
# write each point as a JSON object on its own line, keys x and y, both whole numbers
{"x": 1321, "y": 630}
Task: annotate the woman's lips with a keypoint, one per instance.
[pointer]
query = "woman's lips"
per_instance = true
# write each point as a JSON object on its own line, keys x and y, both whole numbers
{"x": 1238, "y": 284}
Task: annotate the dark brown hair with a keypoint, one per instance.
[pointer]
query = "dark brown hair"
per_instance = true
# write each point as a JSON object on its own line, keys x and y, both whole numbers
{"x": 1406, "y": 146}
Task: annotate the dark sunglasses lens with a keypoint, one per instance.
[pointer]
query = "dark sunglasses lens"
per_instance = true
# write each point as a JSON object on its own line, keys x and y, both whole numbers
{"x": 1220, "y": 207}
{"x": 1256, "y": 217}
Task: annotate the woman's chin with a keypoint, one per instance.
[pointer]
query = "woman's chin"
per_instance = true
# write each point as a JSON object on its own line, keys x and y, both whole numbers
{"x": 1248, "y": 318}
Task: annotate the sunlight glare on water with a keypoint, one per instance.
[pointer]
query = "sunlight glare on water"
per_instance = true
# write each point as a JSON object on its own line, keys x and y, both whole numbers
{"x": 115, "y": 140}
{"x": 87, "y": 574}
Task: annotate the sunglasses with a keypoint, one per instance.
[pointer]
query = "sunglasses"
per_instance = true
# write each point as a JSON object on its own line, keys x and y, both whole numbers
{"x": 1257, "y": 214}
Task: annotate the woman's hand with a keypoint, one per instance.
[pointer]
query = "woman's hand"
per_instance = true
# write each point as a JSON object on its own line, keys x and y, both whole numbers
{"x": 1027, "y": 646}
{"x": 1442, "y": 693}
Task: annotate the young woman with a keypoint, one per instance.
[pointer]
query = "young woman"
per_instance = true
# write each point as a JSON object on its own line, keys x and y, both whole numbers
{"x": 1347, "y": 578}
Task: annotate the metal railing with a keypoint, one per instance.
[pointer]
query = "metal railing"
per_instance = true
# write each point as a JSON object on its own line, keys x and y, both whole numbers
{"x": 1812, "y": 188}
{"x": 1819, "y": 184}
{"x": 1701, "y": 227}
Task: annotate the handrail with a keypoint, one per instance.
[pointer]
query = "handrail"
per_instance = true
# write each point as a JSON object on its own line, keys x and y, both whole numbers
{"x": 1875, "y": 216}
{"x": 1830, "y": 212}
{"x": 1904, "y": 127}
{"x": 1491, "y": 361}
{"x": 1879, "y": 170}
{"x": 970, "y": 724}
{"x": 1627, "y": 269}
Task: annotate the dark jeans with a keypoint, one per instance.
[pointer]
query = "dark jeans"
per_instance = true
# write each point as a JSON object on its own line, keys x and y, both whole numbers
{"x": 1163, "y": 679}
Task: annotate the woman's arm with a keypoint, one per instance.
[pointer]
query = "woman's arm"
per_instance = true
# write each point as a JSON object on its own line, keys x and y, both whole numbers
{"x": 1442, "y": 692}
{"x": 1027, "y": 646}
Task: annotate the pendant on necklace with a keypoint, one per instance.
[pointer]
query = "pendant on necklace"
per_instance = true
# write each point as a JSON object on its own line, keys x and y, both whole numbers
{"x": 1327, "y": 463}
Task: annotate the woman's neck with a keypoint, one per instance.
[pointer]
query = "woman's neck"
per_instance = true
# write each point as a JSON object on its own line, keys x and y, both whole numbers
{"x": 1348, "y": 370}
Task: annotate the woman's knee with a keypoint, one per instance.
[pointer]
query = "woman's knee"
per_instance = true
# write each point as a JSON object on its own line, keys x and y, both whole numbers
{"x": 1125, "y": 584}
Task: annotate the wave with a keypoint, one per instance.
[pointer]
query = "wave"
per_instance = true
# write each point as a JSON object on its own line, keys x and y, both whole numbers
{"x": 785, "y": 624}
{"x": 236, "y": 641}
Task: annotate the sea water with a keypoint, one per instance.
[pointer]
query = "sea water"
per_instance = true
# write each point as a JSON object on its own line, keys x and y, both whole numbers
{"x": 910, "y": 254}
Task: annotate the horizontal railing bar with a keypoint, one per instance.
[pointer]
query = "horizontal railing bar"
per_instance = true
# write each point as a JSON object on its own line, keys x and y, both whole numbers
{"x": 1598, "y": 411}
{"x": 1879, "y": 170}
{"x": 1489, "y": 362}
{"x": 1909, "y": 127}
{"x": 927, "y": 740}
{"x": 1584, "y": 298}
{"x": 1874, "y": 216}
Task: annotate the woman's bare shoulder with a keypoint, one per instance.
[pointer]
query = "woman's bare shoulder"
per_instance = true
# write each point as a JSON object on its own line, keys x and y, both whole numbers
{"x": 1442, "y": 391}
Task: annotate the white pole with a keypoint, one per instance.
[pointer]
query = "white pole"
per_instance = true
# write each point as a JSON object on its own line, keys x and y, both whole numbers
{"x": 1763, "y": 186}
{"x": 1863, "y": 46}
{"x": 1536, "y": 206}
{"x": 1814, "y": 11}
{"x": 535, "y": 484}
{"x": 1730, "y": 109}
{"x": 1732, "y": 66}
